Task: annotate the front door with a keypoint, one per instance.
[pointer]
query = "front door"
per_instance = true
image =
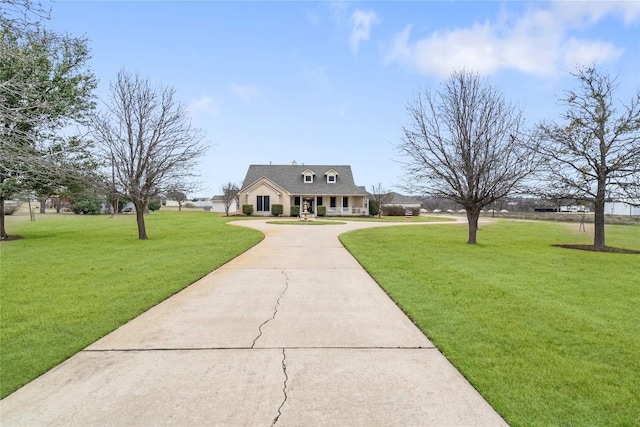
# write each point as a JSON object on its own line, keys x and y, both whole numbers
{"x": 310, "y": 205}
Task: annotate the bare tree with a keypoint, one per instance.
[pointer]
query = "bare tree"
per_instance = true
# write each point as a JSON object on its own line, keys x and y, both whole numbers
{"x": 230, "y": 193}
{"x": 594, "y": 155}
{"x": 177, "y": 191}
{"x": 146, "y": 135}
{"x": 22, "y": 14}
{"x": 380, "y": 197}
{"x": 466, "y": 144}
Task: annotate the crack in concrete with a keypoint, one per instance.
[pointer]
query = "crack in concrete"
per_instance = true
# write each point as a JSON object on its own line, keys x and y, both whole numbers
{"x": 275, "y": 309}
{"x": 284, "y": 387}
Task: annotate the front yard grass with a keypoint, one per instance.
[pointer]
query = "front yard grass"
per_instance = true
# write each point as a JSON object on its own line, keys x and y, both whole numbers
{"x": 303, "y": 222}
{"x": 417, "y": 218}
{"x": 72, "y": 279}
{"x": 549, "y": 336}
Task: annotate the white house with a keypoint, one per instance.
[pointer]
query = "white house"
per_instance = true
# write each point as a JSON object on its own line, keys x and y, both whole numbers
{"x": 297, "y": 186}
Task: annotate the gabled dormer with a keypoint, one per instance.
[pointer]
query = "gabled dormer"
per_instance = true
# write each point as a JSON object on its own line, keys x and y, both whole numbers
{"x": 332, "y": 176}
{"x": 307, "y": 176}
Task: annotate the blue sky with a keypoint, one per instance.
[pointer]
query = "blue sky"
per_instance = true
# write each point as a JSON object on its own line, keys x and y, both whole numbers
{"x": 328, "y": 82}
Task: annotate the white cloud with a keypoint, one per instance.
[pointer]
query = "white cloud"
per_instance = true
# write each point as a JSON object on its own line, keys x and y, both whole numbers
{"x": 245, "y": 93}
{"x": 539, "y": 41}
{"x": 361, "y": 22}
{"x": 582, "y": 52}
{"x": 589, "y": 12}
{"x": 203, "y": 107}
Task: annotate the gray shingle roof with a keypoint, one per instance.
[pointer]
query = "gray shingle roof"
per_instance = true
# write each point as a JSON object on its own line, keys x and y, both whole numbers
{"x": 290, "y": 178}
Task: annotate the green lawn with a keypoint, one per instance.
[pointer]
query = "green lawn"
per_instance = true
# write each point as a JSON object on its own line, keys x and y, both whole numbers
{"x": 302, "y": 222}
{"x": 549, "y": 336}
{"x": 72, "y": 279}
{"x": 432, "y": 218}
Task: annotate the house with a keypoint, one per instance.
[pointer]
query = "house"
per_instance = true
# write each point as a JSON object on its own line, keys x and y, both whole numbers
{"x": 397, "y": 199}
{"x": 295, "y": 186}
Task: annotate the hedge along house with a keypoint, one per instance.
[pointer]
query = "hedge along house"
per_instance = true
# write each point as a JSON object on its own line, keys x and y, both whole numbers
{"x": 293, "y": 186}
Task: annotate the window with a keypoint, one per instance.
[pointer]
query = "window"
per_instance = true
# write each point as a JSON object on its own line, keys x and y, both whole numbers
{"x": 262, "y": 204}
{"x": 345, "y": 202}
{"x": 332, "y": 176}
{"x": 319, "y": 201}
{"x": 332, "y": 202}
{"x": 296, "y": 201}
{"x": 307, "y": 176}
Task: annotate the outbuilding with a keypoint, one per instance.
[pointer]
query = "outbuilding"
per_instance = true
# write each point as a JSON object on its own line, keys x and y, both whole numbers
{"x": 625, "y": 208}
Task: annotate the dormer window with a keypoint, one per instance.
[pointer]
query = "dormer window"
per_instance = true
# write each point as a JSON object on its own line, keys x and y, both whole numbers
{"x": 308, "y": 176}
{"x": 332, "y": 176}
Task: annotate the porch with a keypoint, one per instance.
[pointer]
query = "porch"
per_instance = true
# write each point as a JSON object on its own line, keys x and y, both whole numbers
{"x": 335, "y": 205}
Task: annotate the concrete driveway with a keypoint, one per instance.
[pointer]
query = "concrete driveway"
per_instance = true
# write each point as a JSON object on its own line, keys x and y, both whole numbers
{"x": 291, "y": 333}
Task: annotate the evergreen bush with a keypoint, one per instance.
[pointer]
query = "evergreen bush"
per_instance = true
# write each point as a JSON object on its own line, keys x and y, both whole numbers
{"x": 276, "y": 210}
{"x": 155, "y": 205}
{"x": 398, "y": 211}
{"x": 88, "y": 205}
{"x": 374, "y": 207}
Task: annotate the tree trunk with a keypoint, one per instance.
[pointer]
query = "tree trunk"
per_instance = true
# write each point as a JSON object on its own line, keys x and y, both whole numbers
{"x": 142, "y": 229}
{"x": 598, "y": 218}
{"x": 114, "y": 205}
{"x": 3, "y": 232}
{"x": 43, "y": 205}
{"x": 472, "y": 219}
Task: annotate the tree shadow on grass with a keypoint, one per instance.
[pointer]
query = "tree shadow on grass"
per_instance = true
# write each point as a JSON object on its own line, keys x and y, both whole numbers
{"x": 594, "y": 249}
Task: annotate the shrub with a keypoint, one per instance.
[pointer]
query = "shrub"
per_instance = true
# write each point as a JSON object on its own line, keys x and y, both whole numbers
{"x": 247, "y": 209}
{"x": 189, "y": 205}
{"x": 276, "y": 210}
{"x": 393, "y": 211}
{"x": 295, "y": 211}
{"x": 374, "y": 207}
{"x": 155, "y": 205}
{"x": 88, "y": 205}
{"x": 322, "y": 210}
{"x": 398, "y": 211}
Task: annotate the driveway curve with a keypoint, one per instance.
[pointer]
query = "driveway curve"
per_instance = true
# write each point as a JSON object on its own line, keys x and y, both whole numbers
{"x": 291, "y": 333}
